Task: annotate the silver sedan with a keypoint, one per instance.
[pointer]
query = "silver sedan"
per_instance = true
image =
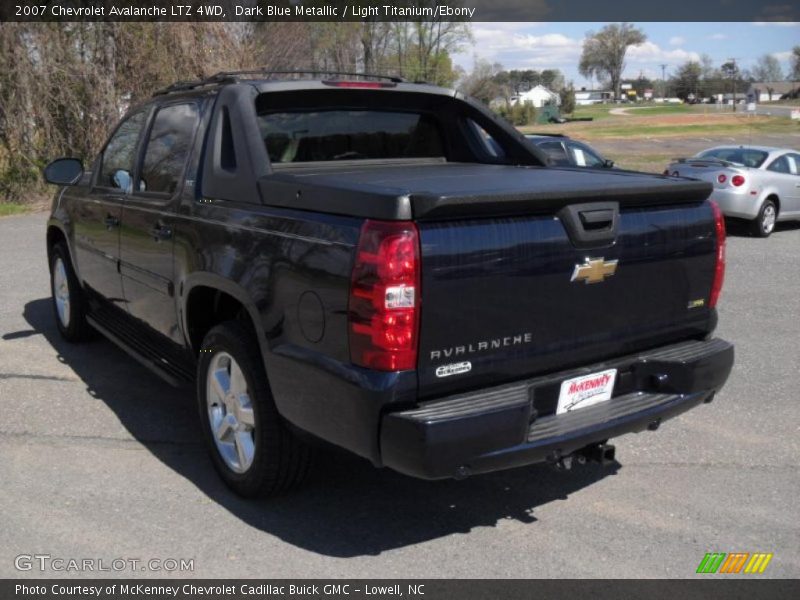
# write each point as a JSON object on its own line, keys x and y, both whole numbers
{"x": 757, "y": 183}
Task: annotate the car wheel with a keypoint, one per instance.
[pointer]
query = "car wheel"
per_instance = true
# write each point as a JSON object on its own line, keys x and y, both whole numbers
{"x": 69, "y": 303}
{"x": 764, "y": 223}
{"x": 251, "y": 447}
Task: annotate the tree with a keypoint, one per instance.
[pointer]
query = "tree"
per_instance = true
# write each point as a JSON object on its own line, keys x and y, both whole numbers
{"x": 604, "y": 52}
{"x": 687, "y": 80}
{"x": 768, "y": 69}
{"x": 795, "y": 62}
{"x": 552, "y": 79}
{"x": 567, "y": 95}
{"x": 480, "y": 83}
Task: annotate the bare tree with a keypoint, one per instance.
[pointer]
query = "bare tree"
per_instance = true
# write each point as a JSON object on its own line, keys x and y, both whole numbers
{"x": 604, "y": 52}
{"x": 481, "y": 83}
{"x": 767, "y": 69}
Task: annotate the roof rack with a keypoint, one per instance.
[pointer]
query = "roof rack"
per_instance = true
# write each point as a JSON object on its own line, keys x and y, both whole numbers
{"x": 231, "y": 76}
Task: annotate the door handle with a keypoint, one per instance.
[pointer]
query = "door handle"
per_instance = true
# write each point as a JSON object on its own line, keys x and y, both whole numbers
{"x": 161, "y": 233}
{"x": 111, "y": 222}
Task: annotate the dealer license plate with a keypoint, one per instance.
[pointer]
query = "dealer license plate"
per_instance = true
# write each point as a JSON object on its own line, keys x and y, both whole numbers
{"x": 586, "y": 390}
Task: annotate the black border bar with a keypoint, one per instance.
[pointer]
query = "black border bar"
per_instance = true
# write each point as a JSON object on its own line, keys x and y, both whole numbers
{"x": 704, "y": 587}
{"x": 400, "y": 10}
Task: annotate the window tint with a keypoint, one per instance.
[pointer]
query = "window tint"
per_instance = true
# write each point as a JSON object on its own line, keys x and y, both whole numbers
{"x": 583, "y": 156}
{"x": 306, "y": 136}
{"x": 780, "y": 165}
{"x": 742, "y": 156}
{"x": 555, "y": 151}
{"x": 167, "y": 148}
{"x": 117, "y": 163}
{"x": 486, "y": 142}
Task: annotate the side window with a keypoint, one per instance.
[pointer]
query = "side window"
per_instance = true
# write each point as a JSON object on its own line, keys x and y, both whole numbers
{"x": 486, "y": 142}
{"x": 168, "y": 147}
{"x": 780, "y": 165}
{"x": 794, "y": 161}
{"x": 583, "y": 157}
{"x": 555, "y": 151}
{"x": 116, "y": 168}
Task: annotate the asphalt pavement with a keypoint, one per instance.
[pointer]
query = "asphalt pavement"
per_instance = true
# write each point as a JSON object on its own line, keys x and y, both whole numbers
{"x": 99, "y": 459}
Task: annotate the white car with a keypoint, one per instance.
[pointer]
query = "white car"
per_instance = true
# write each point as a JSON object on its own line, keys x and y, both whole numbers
{"x": 757, "y": 183}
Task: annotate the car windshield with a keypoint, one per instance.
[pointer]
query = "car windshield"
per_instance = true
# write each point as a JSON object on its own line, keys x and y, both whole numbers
{"x": 746, "y": 157}
{"x": 329, "y": 135}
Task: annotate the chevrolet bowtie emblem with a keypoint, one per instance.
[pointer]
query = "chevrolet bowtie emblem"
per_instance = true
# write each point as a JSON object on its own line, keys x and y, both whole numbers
{"x": 594, "y": 270}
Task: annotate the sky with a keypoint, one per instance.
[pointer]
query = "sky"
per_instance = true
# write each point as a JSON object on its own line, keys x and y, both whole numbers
{"x": 558, "y": 45}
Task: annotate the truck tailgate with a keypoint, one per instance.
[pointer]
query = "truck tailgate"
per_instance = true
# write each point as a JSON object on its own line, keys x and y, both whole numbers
{"x": 500, "y": 293}
{"x": 498, "y": 260}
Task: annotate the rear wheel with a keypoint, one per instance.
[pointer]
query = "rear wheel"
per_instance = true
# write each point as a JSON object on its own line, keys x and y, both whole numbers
{"x": 251, "y": 447}
{"x": 69, "y": 303}
{"x": 764, "y": 223}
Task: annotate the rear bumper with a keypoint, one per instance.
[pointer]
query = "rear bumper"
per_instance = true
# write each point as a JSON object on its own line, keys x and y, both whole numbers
{"x": 736, "y": 203}
{"x": 509, "y": 426}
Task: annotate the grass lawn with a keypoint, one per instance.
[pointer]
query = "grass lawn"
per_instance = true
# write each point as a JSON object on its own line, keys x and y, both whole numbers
{"x": 12, "y": 208}
{"x": 603, "y": 111}
{"x": 670, "y": 125}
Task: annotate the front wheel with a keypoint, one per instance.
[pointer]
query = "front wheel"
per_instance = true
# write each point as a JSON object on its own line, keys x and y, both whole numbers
{"x": 764, "y": 223}
{"x": 252, "y": 449}
{"x": 69, "y": 303}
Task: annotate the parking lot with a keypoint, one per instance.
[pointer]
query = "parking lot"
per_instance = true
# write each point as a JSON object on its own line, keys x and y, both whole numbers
{"x": 101, "y": 459}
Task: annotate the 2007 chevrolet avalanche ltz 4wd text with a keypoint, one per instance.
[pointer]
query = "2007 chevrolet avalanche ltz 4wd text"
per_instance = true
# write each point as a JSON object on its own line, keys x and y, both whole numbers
{"x": 387, "y": 267}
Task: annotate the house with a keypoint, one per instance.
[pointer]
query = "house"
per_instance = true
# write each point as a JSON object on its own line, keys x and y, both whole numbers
{"x": 539, "y": 96}
{"x": 765, "y": 91}
{"x": 585, "y": 97}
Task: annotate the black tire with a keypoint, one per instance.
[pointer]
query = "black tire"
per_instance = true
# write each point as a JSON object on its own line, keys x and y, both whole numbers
{"x": 761, "y": 226}
{"x": 74, "y": 328}
{"x": 280, "y": 460}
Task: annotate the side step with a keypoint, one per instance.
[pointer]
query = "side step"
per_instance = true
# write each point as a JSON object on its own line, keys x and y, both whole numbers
{"x": 149, "y": 351}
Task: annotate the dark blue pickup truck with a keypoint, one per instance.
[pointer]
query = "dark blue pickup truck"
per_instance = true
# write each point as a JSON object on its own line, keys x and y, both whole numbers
{"x": 387, "y": 267}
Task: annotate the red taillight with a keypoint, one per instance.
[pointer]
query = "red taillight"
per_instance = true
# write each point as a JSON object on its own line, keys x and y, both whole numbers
{"x": 719, "y": 268}
{"x": 737, "y": 180}
{"x": 384, "y": 297}
{"x": 722, "y": 178}
{"x": 361, "y": 84}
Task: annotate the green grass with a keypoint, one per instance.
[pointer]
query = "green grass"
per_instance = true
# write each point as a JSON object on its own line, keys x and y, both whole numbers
{"x": 12, "y": 208}
{"x": 746, "y": 127}
{"x": 603, "y": 111}
{"x": 626, "y": 127}
{"x": 656, "y": 109}
{"x": 595, "y": 111}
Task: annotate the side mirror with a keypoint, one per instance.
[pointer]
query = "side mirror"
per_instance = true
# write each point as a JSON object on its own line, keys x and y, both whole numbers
{"x": 608, "y": 164}
{"x": 63, "y": 171}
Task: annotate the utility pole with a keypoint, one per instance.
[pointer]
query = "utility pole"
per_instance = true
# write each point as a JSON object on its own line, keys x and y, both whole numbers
{"x": 734, "y": 71}
{"x": 663, "y": 83}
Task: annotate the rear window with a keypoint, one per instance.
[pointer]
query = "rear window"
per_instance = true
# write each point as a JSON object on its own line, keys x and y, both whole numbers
{"x": 743, "y": 156}
{"x": 331, "y": 135}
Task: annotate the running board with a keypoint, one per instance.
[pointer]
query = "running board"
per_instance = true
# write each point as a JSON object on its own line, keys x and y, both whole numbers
{"x": 176, "y": 372}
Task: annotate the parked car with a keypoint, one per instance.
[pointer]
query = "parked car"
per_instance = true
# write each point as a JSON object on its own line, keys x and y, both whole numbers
{"x": 351, "y": 260}
{"x": 566, "y": 152}
{"x": 760, "y": 184}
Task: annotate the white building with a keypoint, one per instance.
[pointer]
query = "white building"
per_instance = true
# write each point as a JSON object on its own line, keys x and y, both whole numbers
{"x": 586, "y": 97}
{"x": 539, "y": 96}
{"x": 766, "y": 91}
